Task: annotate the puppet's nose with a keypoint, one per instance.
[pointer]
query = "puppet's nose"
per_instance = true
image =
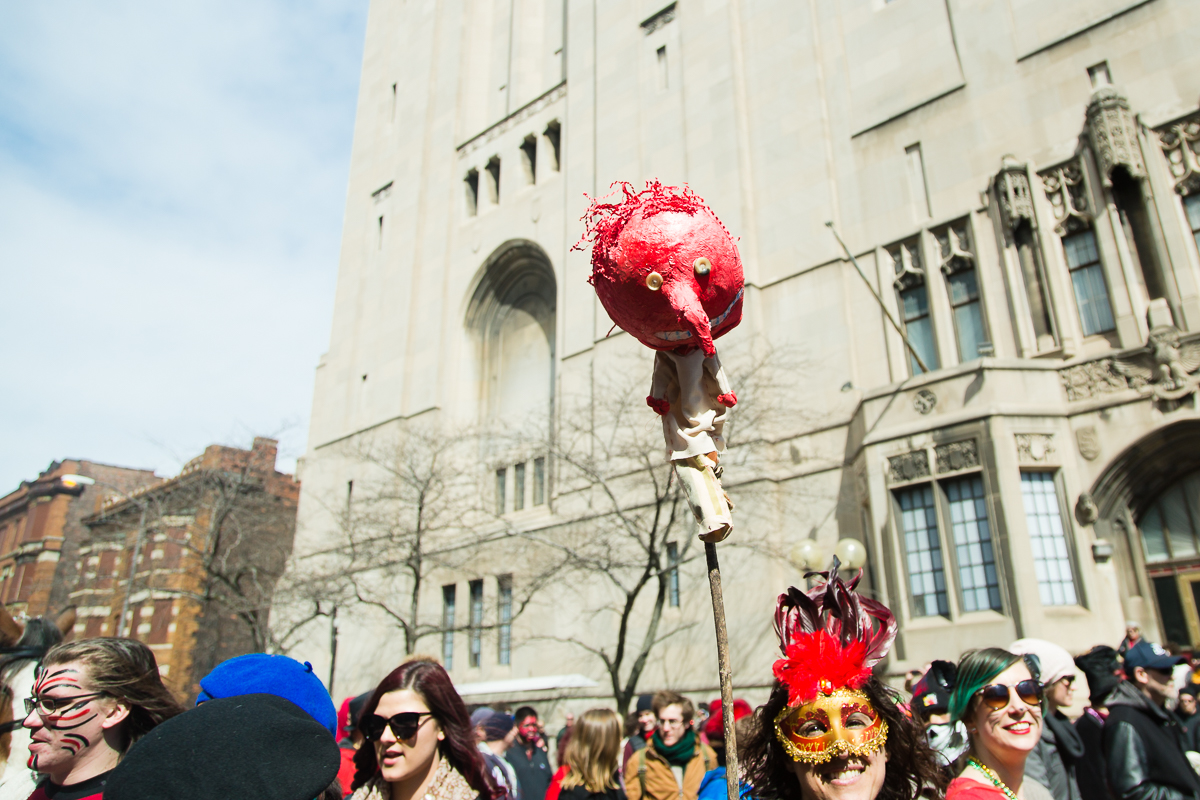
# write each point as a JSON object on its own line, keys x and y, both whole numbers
{"x": 683, "y": 298}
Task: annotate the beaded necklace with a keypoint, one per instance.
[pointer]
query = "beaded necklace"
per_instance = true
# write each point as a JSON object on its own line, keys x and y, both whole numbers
{"x": 991, "y": 775}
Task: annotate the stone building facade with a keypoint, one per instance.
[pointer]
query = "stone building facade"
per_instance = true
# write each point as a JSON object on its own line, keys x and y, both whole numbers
{"x": 208, "y": 546}
{"x": 1019, "y": 183}
{"x": 41, "y": 529}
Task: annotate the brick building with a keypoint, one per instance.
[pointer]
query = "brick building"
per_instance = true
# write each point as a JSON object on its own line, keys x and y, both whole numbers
{"x": 209, "y": 545}
{"x": 41, "y": 527}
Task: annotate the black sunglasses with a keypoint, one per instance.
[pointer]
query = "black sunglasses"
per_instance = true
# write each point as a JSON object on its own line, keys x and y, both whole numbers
{"x": 404, "y": 725}
{"x": 996, "y": 696}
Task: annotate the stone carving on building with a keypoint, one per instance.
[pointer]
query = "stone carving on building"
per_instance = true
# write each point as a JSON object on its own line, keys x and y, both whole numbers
{"x": 957, "y": 455}
{"x": 1089, "y": 442}
{"x": 954, "y": 244}
{"x": 1086, "y": 511}
{"x": 534, "y": 106}
{"x": 924, "y": 401}
{"x": 1034, "y": 448}
{"x": 1180, "y": 142}
{"x": 908, "y": 466}
{"x": 1112, "y": 130}
{"x": 1012, "y": 188}
{"x": 660, "y": 19}
{"x": 1067, "y": 194}
{"x": 1091, "y": 379}
{"x": 906, "y": 261}
{"x": 1164, "y": 366}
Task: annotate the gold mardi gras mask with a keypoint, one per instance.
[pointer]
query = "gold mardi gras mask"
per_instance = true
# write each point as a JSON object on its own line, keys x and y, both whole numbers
{"x": 841, "y": 723}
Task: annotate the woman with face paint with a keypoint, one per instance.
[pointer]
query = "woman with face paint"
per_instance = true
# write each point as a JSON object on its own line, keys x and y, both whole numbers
{"x": 418, "y": 740}
{"x": 999, "y": 699}
{"x": 831, "y": 730}
{"x": 91, "y": 700}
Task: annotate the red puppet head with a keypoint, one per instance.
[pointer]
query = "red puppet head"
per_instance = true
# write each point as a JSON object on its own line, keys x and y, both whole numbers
{"x": 665, "y": 268}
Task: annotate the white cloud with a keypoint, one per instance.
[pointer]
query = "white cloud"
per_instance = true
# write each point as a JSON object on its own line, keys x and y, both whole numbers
{"x": 172, "y": 180}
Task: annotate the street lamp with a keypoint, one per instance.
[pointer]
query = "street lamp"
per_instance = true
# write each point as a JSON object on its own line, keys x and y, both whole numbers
{"x": 72, "y": 480}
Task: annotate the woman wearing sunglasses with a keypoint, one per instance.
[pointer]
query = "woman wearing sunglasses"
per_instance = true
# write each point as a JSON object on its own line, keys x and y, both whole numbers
{"x": 999, "y": 699}
{"x": 418, "y": 740}
{"x": 1053, "y": 762}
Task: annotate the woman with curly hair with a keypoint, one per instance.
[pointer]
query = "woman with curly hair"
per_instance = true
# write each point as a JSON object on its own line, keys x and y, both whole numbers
{"x": 998, "y": 696}
{"x": 831, "y": 730}
{"x": 418, "y": 740}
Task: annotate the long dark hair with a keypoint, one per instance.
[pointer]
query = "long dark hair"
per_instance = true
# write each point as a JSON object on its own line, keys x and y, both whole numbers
{"x": 427, "y": 678}
{"x": 911, "y": 765}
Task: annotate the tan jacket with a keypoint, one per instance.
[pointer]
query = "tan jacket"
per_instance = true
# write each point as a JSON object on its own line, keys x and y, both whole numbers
{"x": 649, "y": 776}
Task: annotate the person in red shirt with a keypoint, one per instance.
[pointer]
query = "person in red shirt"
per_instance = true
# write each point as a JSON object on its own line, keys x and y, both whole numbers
{"x": 91, "y": 701}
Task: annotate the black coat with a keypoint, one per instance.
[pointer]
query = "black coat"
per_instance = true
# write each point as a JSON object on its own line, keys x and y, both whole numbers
{"x": 1144, "y": 750}
{"x": 1090, "y": 771}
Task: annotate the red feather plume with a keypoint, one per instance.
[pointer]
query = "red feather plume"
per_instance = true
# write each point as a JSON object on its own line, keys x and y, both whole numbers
{"x": 830, "y": 637}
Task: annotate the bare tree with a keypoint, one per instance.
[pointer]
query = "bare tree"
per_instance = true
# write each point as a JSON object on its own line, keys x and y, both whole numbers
{"x": 219, "y": 535}
{"x": 415, "y": 507}
{"x": 632, "y": 529}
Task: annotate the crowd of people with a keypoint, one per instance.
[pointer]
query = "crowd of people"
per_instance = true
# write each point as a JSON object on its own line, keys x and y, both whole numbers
{"x": 996, "y": 725}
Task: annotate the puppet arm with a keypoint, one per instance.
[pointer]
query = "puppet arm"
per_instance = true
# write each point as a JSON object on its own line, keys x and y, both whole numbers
{"x": 726, "y": 397}
{"x": 664, "y": 373}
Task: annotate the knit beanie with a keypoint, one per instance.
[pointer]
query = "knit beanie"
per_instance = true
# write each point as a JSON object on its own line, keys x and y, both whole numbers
{"x": 1055, "y": 661}
{"x": 497, "y": 726}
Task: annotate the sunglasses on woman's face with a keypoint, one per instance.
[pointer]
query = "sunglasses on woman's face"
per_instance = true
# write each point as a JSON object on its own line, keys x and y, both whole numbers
{"x": 996, "y": 696}
{"x": 404, "y": 725}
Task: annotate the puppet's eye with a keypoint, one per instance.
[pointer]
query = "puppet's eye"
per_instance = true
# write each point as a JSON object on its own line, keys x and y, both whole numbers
{"x": 702, "y": 266}
{"x": 654, "y": 281}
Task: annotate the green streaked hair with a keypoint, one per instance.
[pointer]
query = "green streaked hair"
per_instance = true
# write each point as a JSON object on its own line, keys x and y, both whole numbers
{"x": 975, "y": 670}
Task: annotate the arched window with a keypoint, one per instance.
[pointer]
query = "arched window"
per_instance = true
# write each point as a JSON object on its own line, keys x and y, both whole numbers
{"x": 512, "y": 314}
{"x": 1171, "y": 524}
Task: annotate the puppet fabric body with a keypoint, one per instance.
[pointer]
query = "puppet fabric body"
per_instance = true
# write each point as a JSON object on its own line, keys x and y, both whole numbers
{"x": 690, "y": 385}
{"x": 686, "y": 387}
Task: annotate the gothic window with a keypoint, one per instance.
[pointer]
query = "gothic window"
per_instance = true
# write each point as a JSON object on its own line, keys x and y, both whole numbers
{"x": 1180, "y": 142}
{"x": 1087, "y": 280}
{"x": 978, "y": 582}
{"x": 476, "y": 628}
{"x": 493, "y": 179}
{"x": 529, "y": 158}
{"x": 553, "y": 134}
{"x": 1048, "y": 539}
{"x": 1191, "y": 205}
{"x": 958, "y": 263}
{"x": 512, "y": 314}
{"x": 1171, "y": 526}
{"x": 471, "y": 185}
{"x": 673, "y": 574}
{"x": 504, "y": 586}
{"x": 518, "y": 487}
{"x": 448, "y": 600}
{"x": 923, "y": 552}
{"x": 501, "y": 490}
{"x": 913, "y": 297}
{"x": 1067, "y": 193}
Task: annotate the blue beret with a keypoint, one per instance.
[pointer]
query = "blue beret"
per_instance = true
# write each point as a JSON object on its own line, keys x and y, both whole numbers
{"x": 259, "y": 673}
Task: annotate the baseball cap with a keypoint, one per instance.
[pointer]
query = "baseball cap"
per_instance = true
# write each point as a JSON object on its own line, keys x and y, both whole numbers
{"x": 1150, "y": 656}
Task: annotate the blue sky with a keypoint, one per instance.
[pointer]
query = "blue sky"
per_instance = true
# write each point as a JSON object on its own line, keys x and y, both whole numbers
{"x": 172, "y": 182}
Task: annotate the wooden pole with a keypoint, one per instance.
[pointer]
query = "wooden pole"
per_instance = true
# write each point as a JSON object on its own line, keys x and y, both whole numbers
{"x": 718, "y": 601}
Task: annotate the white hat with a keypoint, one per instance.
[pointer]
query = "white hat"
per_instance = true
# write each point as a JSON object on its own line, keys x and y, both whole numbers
{"x": 1056, "y": 662}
